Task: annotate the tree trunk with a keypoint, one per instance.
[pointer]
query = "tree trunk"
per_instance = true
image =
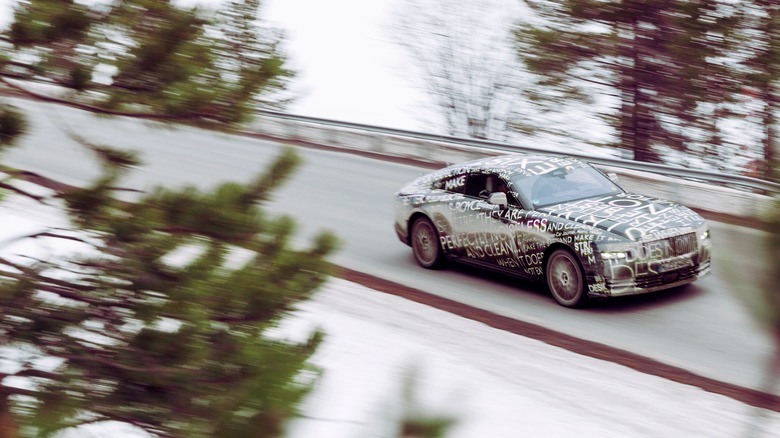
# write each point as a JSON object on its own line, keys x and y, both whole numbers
{"x": 769, "y": 92}
{"x": 628, "y": 90}
{"x": 770, "y": 138}
{"x": 9, "y": 428}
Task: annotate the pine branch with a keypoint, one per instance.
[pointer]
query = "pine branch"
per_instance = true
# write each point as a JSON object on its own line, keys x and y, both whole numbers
{"x": 94, "y": 358}
{"x": 56, "y": 236}
{"x": 15, "y": 390}
{"x": 33, "y": 372}
{"x": 19, "y": 191}
{"x": 255, "y": 317}
{"x": 115, "y": 415}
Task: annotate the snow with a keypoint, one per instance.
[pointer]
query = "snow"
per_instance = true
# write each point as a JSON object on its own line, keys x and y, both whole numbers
{"x": 491, "y": 382}
{"x": 494, "y": 383}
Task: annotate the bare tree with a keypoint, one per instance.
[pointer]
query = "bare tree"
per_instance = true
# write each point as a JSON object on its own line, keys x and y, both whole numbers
{"x": 463, "y": 50}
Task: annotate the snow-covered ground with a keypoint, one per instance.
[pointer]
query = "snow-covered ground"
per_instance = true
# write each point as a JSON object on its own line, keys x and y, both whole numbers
{"x": 496, "y": 384}
{"x": 493, "y": 383}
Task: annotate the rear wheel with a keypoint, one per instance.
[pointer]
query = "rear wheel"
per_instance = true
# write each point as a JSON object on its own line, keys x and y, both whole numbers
{"x": 425, "y": 244}
{"x": 565, "y": 279}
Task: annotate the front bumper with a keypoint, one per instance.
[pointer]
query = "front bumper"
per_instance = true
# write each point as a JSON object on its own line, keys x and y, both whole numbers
{"x": 683, "y": 259}
{"x": 652, "y": 276}
{"x": 653, "y": 282}
{"x": 403, "y": 236}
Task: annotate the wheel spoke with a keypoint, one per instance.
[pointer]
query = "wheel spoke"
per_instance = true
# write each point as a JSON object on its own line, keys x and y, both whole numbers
{"x": 565, "y": 279}
{"x": 425, "y": 243}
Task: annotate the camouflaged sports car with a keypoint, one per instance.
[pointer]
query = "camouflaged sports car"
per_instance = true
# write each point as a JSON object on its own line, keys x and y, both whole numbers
{"x": 556, "y": 219}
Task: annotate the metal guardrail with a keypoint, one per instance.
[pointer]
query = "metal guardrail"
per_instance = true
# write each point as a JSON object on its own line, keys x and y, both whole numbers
{"x": 737, "y": 181}
{"x": 755, "y": 184}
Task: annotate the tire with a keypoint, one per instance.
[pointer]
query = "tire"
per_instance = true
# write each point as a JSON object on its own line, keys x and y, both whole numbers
{"x": 565, "y": 279}
{"x": 425, "y": 244}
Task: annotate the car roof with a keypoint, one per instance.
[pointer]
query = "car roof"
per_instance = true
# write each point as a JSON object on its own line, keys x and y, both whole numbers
{"x": 517, "y": 164}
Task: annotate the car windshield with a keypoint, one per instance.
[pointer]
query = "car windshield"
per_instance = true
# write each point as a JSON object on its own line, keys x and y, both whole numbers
{"x": 564, "y": 185}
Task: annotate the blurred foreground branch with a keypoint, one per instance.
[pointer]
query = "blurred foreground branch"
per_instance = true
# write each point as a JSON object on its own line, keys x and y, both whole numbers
{"x": 159, "y": 317}
{"x": 154, "y": 59}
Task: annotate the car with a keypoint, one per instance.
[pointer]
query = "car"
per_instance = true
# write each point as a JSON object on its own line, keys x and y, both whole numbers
{"x": 552, "y": 219}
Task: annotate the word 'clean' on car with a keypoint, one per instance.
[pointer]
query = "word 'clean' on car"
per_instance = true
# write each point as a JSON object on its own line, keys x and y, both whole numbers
{"x": 553, "y": 219}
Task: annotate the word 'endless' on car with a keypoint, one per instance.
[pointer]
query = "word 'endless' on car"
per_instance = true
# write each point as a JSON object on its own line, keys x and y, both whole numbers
{"x": 553, "y": 219}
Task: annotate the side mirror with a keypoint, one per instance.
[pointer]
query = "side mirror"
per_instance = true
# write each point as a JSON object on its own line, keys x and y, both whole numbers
{"x": 613, "y": 176}
{"x": 498, "y": 198}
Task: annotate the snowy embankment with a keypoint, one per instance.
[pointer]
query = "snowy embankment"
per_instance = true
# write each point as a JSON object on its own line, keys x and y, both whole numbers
{"x": 492, "y": 382}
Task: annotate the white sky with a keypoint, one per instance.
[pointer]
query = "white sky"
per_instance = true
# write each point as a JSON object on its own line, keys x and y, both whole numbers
{"x": 347, "y": 67}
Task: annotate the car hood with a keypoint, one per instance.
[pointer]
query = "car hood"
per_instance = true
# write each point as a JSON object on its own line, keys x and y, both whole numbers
{"x": 632, "y": 216}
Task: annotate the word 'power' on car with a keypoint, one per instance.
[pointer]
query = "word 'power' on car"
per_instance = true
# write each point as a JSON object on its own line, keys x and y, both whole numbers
{"x": 553, "y": 219}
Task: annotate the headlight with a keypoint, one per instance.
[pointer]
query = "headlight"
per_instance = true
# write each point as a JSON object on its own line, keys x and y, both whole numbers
{"x": 616, "y": 251}
{"x": 613, "y": 255}
{"x": 704, "y": 234}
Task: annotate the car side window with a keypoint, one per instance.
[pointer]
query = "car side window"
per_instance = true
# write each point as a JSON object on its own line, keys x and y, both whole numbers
{"x": 454, "y": 183}
{"x": 476, "y": 185}
{"x": 481, "y": 185}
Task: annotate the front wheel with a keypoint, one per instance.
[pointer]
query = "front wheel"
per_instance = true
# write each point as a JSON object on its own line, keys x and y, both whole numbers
{"x": 425, "y": 244}
{"x": 565, "y": 279}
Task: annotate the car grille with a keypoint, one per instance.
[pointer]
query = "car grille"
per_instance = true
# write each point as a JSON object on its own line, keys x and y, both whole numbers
{"x": 671, "y": 247}
{"x": 667, "y": 277}
{"x": 684, "y": 244}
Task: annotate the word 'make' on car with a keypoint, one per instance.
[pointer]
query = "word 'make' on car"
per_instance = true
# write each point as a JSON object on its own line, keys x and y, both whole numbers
{"x": 553, "y": 219}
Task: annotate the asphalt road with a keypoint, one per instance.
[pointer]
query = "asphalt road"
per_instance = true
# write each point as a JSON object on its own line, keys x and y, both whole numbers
{"x": 706, "y": 328}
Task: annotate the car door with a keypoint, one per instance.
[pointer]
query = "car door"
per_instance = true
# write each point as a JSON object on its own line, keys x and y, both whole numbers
{"x": 448, "y": 206}
{"x": 483, "y": 229}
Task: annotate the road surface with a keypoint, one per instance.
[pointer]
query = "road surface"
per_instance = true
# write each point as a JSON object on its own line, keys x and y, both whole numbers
{"x": 707, "y": 328}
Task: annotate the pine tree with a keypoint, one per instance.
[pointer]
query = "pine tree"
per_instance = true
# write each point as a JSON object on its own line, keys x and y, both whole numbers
{"x": 52, "y": 30}
{"x": 171, "y": 62}
{"x": 163, "y": 322}
{"x": 658, "y": 60}
{"x": 762, "y": 44}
